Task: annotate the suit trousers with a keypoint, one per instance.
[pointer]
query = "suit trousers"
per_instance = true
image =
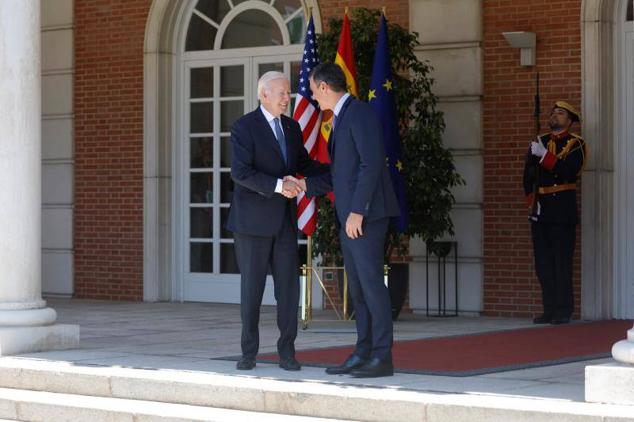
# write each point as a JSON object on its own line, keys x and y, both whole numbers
{"x": 363, "y": 260}
{"x": 554, "y": 247}
{"x": 255, "y": 254}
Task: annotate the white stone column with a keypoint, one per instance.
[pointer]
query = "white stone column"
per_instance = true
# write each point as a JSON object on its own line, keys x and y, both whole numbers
{"x": 26, "y": 324}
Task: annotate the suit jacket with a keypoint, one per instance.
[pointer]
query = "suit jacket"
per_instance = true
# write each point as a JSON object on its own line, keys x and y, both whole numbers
{"x": 359, "y": 174}
{"x": 256, "y": 164}
{"x": 561, "y": 166}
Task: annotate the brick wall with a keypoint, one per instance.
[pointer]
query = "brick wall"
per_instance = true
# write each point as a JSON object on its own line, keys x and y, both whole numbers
{"x": 108, "y": 226}
{"x": 510, "y": 284}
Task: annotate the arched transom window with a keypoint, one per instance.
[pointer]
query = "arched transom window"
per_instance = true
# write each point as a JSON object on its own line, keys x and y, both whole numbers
{"x": 225, "y": 24}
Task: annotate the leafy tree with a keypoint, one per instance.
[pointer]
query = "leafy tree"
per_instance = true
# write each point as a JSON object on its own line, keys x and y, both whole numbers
{"x": 429, "y": 170}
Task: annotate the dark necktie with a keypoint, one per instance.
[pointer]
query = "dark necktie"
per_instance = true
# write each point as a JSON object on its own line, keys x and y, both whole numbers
{"x": 331, "y": 137}
{"x": 279, "y": 134}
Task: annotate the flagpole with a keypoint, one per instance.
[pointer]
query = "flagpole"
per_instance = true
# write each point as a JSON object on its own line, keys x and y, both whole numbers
{"x": 309, "y": 279}
{"x": 383, "y": 11}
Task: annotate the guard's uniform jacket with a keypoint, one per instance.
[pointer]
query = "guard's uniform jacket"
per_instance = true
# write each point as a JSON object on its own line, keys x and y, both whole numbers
{"x": 553, "y": 224}
{"x": 558, "y": 174}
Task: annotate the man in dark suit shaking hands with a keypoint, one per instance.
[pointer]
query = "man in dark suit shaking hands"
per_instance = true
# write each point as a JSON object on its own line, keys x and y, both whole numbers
{"x": 267, "y": 147}
{"x": 364, "y": 202}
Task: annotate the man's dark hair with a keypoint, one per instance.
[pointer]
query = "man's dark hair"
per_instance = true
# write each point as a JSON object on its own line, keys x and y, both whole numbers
{"x": 331, "y": 74}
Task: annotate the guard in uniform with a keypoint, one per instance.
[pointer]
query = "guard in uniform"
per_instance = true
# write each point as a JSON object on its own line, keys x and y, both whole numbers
{"x": 554, "y": 162}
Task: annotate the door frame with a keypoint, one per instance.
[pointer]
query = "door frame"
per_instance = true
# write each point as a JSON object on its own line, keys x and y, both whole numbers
{"x": 164, "y": 39}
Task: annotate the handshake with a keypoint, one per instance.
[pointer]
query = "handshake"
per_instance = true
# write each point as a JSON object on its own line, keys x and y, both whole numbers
{"x": 291, "y": 186}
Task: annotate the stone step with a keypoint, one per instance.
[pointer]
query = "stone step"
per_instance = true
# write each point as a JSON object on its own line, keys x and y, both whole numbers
{"x": 301, "y": 397}
{"x": 36, "y": 406}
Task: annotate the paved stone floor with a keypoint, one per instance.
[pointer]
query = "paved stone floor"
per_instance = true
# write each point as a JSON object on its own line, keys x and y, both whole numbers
{"x": 189, "y": 336}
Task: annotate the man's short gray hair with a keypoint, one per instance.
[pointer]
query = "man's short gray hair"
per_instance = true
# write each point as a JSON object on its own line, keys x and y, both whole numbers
{"x": 263, "y": 82}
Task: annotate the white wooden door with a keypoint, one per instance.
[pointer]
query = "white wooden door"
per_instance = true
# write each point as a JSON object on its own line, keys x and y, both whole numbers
{"x": 216, "y": 93}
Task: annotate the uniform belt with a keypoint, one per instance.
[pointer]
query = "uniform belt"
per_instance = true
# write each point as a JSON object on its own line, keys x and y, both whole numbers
{"x": 545, "y": 190}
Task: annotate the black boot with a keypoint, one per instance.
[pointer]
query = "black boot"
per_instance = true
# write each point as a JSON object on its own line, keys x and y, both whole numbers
{"x": 543, "y": 319}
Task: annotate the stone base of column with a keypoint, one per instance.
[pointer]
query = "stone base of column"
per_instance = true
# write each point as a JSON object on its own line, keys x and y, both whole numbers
{"x": 17, "y": 340}
{"x": 611, "y": 383}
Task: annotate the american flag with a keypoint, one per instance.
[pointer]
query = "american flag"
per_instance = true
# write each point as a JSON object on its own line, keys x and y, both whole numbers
{"x": 309, "y": 117}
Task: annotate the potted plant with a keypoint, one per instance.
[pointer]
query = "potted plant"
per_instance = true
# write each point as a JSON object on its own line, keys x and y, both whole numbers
{"x": 429, "y": 170}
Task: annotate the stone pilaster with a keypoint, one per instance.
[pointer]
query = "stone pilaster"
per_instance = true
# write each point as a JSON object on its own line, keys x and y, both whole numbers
{"x": 26, "y": 324}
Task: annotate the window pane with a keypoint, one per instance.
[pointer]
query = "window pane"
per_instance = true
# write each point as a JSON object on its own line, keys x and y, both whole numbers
{"x": 202, "y": 82}
{"x": 630, "y": 11}
{"x": 228, "y": 264}
{"x": 232, "y": 81}
{"x": 237, "y": 2}
{"x": 230, "y": 111}
{"x": 226, "y": 188}
{"x": 296, "y": 67}
{"x": 252, "y": 28}
{"x": 224, "y": 215}
{"x": 291, "y": 108}
{"x": 200, "y": 35}
{"x": 214, "y": 9}
{"x": 201, "y": 187}
{"x": 287, "y": 7}
{"x": 225, "y": 152}
{"x": 200, "y": 257}
{"x": 296, "y": 29}
{"x": 202, "y": 117}
{"x": 201, "y": 223}
{"x": 201, "y": 153}
{"x": 267, "y": 67}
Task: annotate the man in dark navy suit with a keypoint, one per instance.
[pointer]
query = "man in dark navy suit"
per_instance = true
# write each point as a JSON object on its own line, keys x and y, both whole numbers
{"x": 267, "y": 147}
{"x": 364, "y": 203}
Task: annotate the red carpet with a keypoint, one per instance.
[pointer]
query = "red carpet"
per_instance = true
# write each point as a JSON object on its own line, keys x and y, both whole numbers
{"x": 476, "y": 354}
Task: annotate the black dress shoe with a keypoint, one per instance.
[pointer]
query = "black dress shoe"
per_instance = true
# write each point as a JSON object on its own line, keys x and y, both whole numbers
{"x": 290, "y": 364}
{"x": 351, "y": 363}
{"x": 245, "y": 364}
{"x": 373, "y": 369}
{"x": 560, "y": 320}
{"x": 543, "y": 319}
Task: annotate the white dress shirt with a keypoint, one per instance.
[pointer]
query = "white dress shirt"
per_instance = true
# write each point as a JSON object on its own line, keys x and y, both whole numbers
{"x": 340, "y": 104}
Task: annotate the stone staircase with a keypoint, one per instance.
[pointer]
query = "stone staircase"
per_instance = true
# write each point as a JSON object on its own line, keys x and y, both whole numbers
{"x": 28, "y": 405}
{"x": 49, "y": 391}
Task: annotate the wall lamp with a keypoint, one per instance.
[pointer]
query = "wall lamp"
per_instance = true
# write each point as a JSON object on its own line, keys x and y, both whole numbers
{"x": 526, "y": 42}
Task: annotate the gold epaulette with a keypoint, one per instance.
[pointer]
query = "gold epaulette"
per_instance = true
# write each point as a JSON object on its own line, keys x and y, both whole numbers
{"x": 582, "y": 147}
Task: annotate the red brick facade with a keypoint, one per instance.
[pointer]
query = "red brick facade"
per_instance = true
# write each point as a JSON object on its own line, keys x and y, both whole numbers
{"x": 108, "y": 104}
{"x": 510, "y": 285}
{"x": 108, "y": 223}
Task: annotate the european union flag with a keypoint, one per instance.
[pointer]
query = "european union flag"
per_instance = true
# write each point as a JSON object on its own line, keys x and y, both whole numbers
{"x": 381, "y": 98}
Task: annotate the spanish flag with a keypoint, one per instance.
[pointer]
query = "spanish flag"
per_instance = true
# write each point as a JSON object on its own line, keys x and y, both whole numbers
{"x": 345, "y": 60}
{"x": 345, "y": 56}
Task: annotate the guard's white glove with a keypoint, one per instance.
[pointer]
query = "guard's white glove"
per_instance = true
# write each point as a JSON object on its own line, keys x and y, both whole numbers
{"x": 538, "y": 149}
